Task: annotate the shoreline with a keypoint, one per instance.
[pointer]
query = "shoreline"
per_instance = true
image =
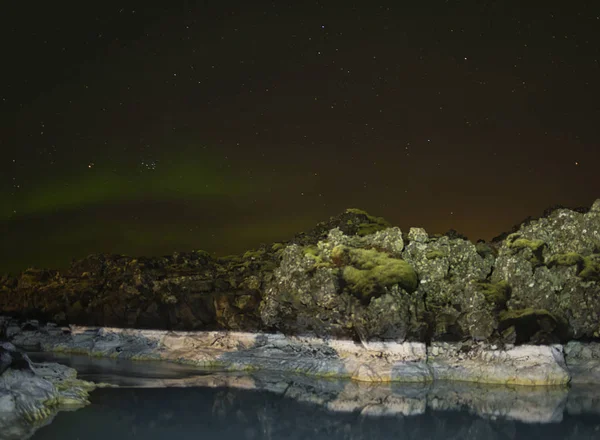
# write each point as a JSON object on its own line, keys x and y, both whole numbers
{"x": 409, "y": 362}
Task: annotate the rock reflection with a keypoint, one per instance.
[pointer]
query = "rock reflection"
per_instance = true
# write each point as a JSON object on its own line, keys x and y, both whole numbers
{"x": 165, "y": 400}
{"x": 295, "y": 409}
{"x": 525, "y": 404}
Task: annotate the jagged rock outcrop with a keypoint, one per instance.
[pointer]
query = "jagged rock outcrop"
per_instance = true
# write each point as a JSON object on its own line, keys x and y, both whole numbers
{"x": 459, "y": 300}
{"x": 354, "y": 276}
{"x": 185, "y": 291}
{"x": 552, "y": 266}
{"x": 346, "y": 286}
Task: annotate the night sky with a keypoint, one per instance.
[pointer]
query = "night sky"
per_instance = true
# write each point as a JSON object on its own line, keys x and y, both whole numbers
{"x": 144, "y": 130}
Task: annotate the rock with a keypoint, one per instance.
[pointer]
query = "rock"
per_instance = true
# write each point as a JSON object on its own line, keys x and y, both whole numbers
{"x": 343, "y": 288}
{"x": 547, "y": 212}
{"x": 32, "y": 324}
{"x": 32, "y": 393}
{"x": 583, "y": 360}
{"x": 522, "y": 365}
{"x": 352, "y": 222}
{"x": 452, "y": 278}
{"x": 334, "y": 358}
{"x": 551, "y": 264}
{"x": 535, "y": 326}
{"x": 453, "y": 234}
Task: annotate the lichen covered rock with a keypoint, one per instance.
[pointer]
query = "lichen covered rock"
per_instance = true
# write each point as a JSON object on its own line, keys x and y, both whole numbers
{"x": 452, "y": 276}
{"x": 342, "y": 291}
{"x": 552, "y": 264}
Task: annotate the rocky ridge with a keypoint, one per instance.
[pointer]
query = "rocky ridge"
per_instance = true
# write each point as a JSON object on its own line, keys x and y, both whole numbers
{"x": 354, "y": 277}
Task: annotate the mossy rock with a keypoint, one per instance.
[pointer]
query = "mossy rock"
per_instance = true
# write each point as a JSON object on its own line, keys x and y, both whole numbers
{"x": 368, "y": 272}
{"x": 497, "y": 294}
{"x": 433, "y": 254}
{"x": 254, "y": 254}
{"x": 277, "y": 247}
{"x": 535, "y": 326}
{"x": 372, "y": 225}
{"x": 445, "y": 324}
{"x": 313, "y": 253}
{"x": 484, "y": 250}
{"x": 230, "y": 258}
{"x": 566, "y": 259}
{"x": 591, "y": 268}
{"x": 311, "y": 250}
{"x": 588, "y": 267}
{"x": 517, "y": 243}
{"x": 370, "y": 228}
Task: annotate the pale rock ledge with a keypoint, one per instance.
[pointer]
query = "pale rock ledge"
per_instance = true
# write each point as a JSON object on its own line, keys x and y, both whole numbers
{"x": 368, "y": 362}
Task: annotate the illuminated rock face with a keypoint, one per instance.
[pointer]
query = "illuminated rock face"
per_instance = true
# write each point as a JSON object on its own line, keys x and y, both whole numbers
{"x": 521, "y": 365}
{"x": 334, "y": 358}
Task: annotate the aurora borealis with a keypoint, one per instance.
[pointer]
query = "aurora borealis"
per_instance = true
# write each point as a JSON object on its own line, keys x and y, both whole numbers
{"x": 145, "y": 130}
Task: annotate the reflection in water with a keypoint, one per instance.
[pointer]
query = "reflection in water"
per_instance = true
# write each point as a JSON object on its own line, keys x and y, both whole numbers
{"x": 272, "y": 406}
{"x": 122, "y": 372}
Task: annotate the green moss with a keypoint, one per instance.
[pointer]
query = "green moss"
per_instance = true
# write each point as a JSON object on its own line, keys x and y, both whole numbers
{"x": 230, "y": 257}
{"x": 509, "y": 315}
{"x": 277, "y": 247}
{"x": 591, "y": 268}
{"x": 588, "y": 267}
{"x": 370, "y": 228}
{"x": 372, "y": 225}
{"x": 517, "y": 243}
{"x": 254, "y": 254}
{"x": 495, "y": 293}
{"x": 567, "y": 259}
{"x": 484, "y": 249}
{"x": 313, "y": 252}
{"x": 430, "y": 255}
{"x": 368, "y": 271}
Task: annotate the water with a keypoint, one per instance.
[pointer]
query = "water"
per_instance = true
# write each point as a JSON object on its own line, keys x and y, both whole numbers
{"x": 271, "y": 406}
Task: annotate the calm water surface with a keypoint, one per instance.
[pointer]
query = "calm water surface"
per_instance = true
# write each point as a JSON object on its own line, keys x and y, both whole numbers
{"x": 219, "y": 406}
